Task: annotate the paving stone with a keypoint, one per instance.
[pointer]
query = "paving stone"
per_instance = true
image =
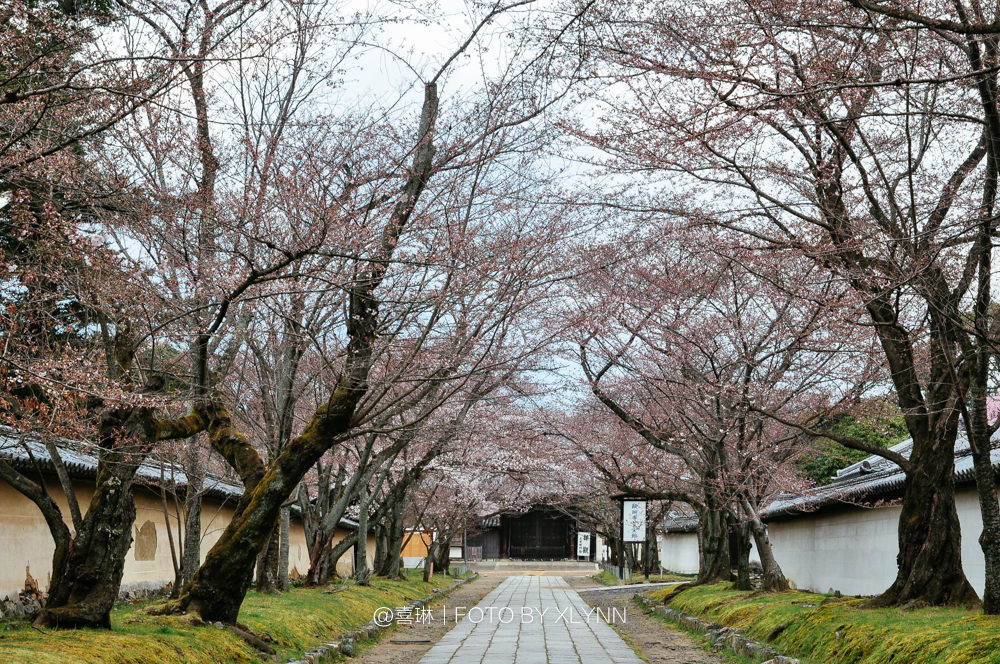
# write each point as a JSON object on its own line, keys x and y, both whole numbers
{"x": 555, "y": 627}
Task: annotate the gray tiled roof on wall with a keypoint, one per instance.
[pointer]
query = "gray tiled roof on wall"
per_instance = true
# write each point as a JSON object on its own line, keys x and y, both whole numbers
{"x": 80, "y": 459}
{"x": 871, "y": 479}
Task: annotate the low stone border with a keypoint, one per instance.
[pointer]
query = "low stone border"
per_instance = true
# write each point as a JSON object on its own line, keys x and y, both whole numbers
{"x": 344, "y": 645}
{"x": 720, "y": 635}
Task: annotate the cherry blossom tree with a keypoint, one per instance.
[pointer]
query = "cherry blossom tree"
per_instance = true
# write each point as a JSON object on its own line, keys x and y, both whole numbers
{"x": 686, "y": 339}
{"x": 827, "y": 131}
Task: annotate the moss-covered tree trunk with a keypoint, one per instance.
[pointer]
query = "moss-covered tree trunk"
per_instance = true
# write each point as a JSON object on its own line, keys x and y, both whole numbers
{"x": 84, "y": 590}
{"x": 219, "y": 586}
{"x": 85, "y": 583}
{"x": 930, "y": 537}
{"x": 713, "y": 537}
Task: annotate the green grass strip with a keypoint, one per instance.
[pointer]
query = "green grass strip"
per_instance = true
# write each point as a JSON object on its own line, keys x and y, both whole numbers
{"x": 293, "y": 620}
{"x": 841, "y": 632}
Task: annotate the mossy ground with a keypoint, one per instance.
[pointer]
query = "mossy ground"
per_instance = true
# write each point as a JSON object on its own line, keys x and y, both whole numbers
{"x": 670, "y": 576}
{"x": 605, "y": 578}
{"x": 866, "y": 636}
{"x": 292, "y": 619}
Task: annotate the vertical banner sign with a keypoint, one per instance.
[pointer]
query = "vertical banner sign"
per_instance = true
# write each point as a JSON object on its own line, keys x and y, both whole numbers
{"x": 633, "y": 520}
{"x": 583, "y": 545}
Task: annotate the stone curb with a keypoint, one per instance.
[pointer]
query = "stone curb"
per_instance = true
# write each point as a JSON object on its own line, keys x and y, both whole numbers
{"x": 720, "y": 635}
{"x": 344, "y": 645}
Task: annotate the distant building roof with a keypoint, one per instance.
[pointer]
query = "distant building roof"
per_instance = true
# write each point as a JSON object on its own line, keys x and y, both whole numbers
{"x": 678, "y": 522}
{"x": 80, "y": 459}
{"x": 870, "y": 480}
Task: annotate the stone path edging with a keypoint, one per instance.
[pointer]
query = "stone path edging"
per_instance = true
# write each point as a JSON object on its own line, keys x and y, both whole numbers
{"x": 720, "y": 635}
{"x": 344, "y": 645}
{"x": 630, "y": 586}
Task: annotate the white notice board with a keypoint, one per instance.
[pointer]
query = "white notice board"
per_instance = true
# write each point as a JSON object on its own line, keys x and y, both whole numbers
{"x": 583, "y": 545}
{"x": 634, "y": 520}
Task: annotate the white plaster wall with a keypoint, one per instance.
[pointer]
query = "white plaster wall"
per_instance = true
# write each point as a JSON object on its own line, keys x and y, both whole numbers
{"x": 973, "y": 560}
{"x": 678, "y": 552}
{"x": 25, "y": 541}
{"x": 854, "y": 551}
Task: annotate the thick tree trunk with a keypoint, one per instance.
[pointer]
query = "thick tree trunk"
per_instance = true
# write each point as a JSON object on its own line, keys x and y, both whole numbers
{"x": 85, "y": 585}
{"x": 989, "y": 539}
{"x": 978, "y": 421}
{"x": 442, "y": 562}
{"x": 333, "y": 556}
{"x": 321, "y": 545}
{"x": 85, "y": 589}
{"x": 630, "y": 556}
{"x": 930, "y": 538}
{"x": 742, "y": 531}
{"x": 654, "y": 554}
{"x": 714, "y": 564}
{"x": 285, "y": 526}
{"x": 220, "y": 584}
{"x": 381, "y": 548}
{"x": 647, "y": 553}
{"x": 397, "y": 533}
{"x": 774, "y": 578}
{"x": 267, "y": 564}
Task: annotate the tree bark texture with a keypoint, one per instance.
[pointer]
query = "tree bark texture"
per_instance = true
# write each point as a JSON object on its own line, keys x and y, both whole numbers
{"x": 989, "y": 539}
{"x": 397, "y": 533}
{"x": 714, "y": 564}
{"x": 191, "y": 556}
{"x": 85, "y": 582}
{"x": 267, "y": 564}
{"x": 774, "y": 578}
{"x": 381, "y": 548}
{"x": 930, "y": 538}
{"x": 362, "y": 574}
{"x": 742, "y": 532}
{"x": 284, "y": 530}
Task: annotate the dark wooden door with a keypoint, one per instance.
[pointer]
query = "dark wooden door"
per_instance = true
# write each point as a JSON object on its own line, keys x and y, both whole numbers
{"x": 491, "y": 544}
{"x": 538, "y": 536}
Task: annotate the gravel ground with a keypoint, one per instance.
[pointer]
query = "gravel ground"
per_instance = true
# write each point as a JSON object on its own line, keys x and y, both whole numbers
{"x": 654, "y": 641}
{"x": 387, "y": 652}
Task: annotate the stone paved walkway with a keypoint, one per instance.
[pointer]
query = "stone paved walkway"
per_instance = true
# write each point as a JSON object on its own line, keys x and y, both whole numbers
{"x": 532, "y": 620}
